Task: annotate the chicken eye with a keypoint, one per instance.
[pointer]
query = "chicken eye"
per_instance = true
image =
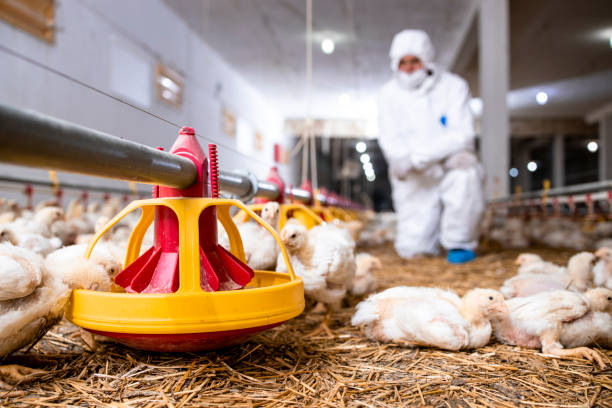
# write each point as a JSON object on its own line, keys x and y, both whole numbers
{"x": 609, "y": 297}
{"x": 490, "y": 297}
{"x": 292, "y": 235}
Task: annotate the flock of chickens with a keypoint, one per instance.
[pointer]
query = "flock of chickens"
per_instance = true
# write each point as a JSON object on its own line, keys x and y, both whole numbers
{"x": 560, "y": 309}
{"x": 556, "y": 232}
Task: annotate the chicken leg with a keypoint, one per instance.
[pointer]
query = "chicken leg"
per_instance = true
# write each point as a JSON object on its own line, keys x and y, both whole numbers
{"x": 552, "y": 346}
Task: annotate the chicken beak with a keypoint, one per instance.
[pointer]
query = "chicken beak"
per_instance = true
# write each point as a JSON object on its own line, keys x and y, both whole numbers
{"x": 502, "y": 309}
{"x": 517, "y": 262}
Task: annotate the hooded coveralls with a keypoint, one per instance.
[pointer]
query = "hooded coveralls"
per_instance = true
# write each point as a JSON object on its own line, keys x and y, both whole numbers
{"x": 428, "y": 132}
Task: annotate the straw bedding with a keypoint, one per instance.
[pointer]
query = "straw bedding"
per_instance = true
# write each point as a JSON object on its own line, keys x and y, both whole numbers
{"x": 304, "y": 363}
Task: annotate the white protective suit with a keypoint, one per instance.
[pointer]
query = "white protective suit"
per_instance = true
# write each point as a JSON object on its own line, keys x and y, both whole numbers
{"x": 427, "y": 132}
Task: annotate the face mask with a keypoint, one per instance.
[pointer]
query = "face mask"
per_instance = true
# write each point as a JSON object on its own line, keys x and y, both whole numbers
{"x": 413, "y": 80}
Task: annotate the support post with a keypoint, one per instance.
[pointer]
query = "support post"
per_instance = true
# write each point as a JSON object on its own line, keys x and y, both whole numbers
{"x": 494, "y": 59}
{"x": 605, "y": 147}
{"x": 558, "y": 160}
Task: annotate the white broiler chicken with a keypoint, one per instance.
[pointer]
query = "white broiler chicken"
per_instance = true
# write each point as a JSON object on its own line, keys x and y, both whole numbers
{"x": 260, "y": 247}
{"x": 41, "y": 224}
{"x": 75, "y": 270}
{"x": 365, "y": 279}
{"x": 326, "y": 263}
{"x": 34, "y": 242}
{"x": 7, "y": 235}
{"x": 333, "y": 233}
{"x": 354, "y": 227}
{"x": 381, "y": 228}
{"x": 431, "y": 317}
{"x": 111, "y": 207}
{"x": 20, "y": 272}
{"x": 531, "y": 264}
{"x": 51, "y": 202}
{"x": 605, "y": 242}
{"x": 603, "y": 229}
{"x": 99, "y": 225}
{"x": 602, "y": 272}
{"x": 9, "y": 211}
{"x": 38, "y": 243}
{"x": 75, "y": 209}
{"x": 70, "y": 229}
{"x": 545, "y": 319}
{"x": 511, "y": 234}
{"x": 39, "y": 297}
{"x": 593, "y": 328}
{"x": 578, "y": 277}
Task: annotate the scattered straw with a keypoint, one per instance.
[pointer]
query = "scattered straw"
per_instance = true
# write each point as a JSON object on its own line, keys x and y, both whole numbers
{"x": 339, "y": 368}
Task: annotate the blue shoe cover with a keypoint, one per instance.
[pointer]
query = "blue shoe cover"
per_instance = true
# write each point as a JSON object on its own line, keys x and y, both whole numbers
{"x": 459, "y": 256}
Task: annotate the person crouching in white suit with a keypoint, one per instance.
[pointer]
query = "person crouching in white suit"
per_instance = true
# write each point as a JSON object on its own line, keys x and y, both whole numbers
{"x": 427, "y": 136}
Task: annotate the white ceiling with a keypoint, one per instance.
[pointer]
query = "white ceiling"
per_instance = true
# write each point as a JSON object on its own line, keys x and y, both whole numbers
{"x": 559, "y": 47}
{"x": 264, "y": 40}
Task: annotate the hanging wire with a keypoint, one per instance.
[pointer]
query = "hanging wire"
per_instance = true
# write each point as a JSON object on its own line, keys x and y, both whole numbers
{"x": 313, "y": 160}
{"x": 309, "y": 123}
{"x": 305, "y": 140}
{"x": 308, "y": 60}
{"x": 118, "y": 99}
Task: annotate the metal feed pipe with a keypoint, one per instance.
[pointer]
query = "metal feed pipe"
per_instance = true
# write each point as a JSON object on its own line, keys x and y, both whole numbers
{"x": 33, "y": 139}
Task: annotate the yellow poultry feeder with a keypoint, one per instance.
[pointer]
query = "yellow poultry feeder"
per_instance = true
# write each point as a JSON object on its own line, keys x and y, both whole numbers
{"x": 188, "y": 293}
{"x": 300, "y": 212}
{"x": 323, "y": 213}
{"x": 339, "y": 214}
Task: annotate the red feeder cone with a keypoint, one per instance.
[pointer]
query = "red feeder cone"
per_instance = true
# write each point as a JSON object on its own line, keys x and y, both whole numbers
{"x": 308, "y": 187}
{"x": 275, "y": 178}
{"x": 157, "y": 270}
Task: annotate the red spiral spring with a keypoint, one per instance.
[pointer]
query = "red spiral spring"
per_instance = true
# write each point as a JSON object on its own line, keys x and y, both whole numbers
{"x": 214, "y": 170}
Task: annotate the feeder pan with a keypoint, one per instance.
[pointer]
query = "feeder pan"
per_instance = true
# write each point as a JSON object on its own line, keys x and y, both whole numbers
{"x": 300, "y": 212}
{"x": 191, "y": 318}
{"x": 187, "y": 293}
{"x": 340, "y": 214}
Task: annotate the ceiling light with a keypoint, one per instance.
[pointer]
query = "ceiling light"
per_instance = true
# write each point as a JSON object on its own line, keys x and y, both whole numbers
{"x": 542, "y": 98}
{"x": 328, "y": 46}
{"x": 365, "y": 158}
{"x": 592, "y": 146}
{"x": 513, "y": 172}
{"x": 168, "y": 83}
{"x": 360, "y": 147}
{"x": 344, "y": 98}
{"x": 532, "y": 166}
{"x": 371, "y": 178}
{"x": 610, "y": 42}
{"x": 368, "y": 166}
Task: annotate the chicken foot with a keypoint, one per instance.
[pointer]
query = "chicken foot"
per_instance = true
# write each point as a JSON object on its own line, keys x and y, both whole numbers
{"x": 323, "y": 326}
{"x": 552, "y": 346}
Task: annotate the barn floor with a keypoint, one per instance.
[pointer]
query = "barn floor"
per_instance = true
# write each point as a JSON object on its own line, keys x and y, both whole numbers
{"x": 299, "y": 364}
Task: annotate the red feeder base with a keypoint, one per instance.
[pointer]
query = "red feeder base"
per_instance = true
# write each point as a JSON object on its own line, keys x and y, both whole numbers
{"x": 173, "y": 343}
